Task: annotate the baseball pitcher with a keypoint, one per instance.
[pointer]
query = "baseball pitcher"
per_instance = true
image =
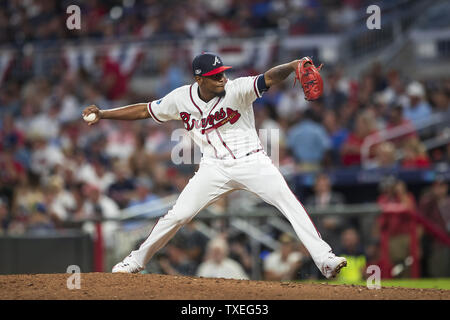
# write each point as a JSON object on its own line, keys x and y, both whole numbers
{"x": 218, "y": 114}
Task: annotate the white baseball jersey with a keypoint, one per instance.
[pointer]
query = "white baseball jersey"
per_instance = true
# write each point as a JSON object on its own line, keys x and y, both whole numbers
{"x": 224, "y": 127}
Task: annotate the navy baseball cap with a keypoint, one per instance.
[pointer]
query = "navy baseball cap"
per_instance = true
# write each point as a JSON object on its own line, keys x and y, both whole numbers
{"x": 208, "y": 64}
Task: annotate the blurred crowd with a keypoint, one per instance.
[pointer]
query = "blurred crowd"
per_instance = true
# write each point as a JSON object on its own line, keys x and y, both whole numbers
{"x": 56, "y": 171}
{"x": 45, "y": 143}
{"x": 28, "y": 20}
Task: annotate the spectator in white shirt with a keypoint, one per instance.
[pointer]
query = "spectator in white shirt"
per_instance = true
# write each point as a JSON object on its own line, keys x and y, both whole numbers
{"x": 418, "y": 108}
{"x": 284, "y": 263}
{"x": 100, "y": 206}
{"x": 217, "y": 263}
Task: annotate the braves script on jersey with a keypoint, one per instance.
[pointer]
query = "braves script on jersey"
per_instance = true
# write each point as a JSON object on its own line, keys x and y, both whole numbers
{"x": 224, "y": 127}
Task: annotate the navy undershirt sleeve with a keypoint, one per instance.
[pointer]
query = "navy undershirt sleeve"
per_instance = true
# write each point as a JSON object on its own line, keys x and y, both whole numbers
{"x": 261, "y": 84}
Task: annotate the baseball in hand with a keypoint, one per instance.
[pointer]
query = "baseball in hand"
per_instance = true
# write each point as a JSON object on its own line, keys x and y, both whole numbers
{"x": 90, "y": 117}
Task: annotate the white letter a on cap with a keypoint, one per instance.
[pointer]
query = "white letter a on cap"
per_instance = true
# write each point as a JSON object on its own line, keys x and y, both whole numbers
{"x": 216, "y": 61}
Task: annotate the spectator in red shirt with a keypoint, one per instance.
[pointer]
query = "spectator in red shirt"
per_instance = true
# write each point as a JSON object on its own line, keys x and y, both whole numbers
{"x": 113, "y": 81}
{"x": 396, "y": 119}
{"x": 95, "y": 12}
{"x": 12, "y": 172}
{"x": 396, "y": 198}
{"x": 415, "y": 155}
{"x": 385, "y": 155}
{"x": 351, "y": 149}
{"x": 10, "y": 135}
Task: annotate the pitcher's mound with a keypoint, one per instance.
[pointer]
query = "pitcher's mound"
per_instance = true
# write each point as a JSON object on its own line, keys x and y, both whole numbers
{"x": 162, "y": 287}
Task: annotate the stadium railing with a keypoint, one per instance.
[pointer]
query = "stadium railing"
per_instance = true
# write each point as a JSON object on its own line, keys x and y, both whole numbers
{"x": 412, "y": 220}
{"x": 431, "y": 45}
{"x": 360, "y": 46}
{"x": 380, "y": 136}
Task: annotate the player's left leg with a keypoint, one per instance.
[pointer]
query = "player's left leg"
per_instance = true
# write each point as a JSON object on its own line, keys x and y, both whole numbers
{"x": 207, "y": 185}
{"x": 264, "y": 179}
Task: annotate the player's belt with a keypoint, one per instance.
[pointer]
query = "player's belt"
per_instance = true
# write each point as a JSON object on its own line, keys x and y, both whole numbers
{"x": 254, "y": 151}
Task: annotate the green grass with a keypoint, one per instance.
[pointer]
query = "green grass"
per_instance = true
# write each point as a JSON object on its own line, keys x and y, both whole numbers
{"x": 443, "y": 283}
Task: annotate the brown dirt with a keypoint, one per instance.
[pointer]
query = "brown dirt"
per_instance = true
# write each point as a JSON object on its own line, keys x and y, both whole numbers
{"x": 107, "y": 286}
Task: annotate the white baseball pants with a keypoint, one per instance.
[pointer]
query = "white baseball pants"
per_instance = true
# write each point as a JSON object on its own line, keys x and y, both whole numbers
{"x": 214, "y": 178}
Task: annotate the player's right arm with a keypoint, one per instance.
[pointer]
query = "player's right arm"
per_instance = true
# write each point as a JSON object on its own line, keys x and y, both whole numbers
{"x": 161, "y": 110}
{"x": 131, "y": 112}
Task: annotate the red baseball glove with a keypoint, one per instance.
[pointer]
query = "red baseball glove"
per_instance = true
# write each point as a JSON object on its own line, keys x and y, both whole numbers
{"x": 310, "y": 78}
